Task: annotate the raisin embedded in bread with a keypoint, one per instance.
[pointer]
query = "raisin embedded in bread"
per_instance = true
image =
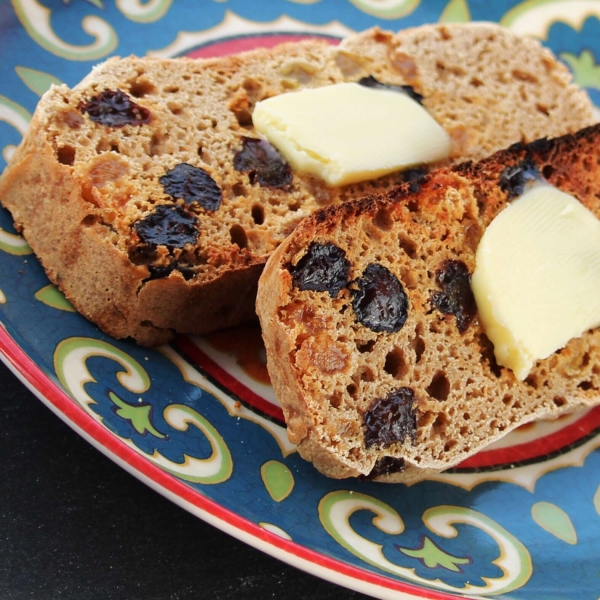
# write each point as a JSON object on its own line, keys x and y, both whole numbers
{"x": 383, "y": 368}
{"x": 153, "y": 204}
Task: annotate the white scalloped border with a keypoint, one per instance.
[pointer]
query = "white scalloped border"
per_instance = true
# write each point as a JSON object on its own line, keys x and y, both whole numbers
{"x": 233, "y": 25}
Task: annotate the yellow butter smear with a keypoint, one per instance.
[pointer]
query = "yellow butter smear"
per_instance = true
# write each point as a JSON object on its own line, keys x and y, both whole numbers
{"x": 346, "y": 132}
{"x": 537, "y": 277}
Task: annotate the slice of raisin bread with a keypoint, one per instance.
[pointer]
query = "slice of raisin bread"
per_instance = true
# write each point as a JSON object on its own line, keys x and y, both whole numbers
{"x": 373, "y": 340}
{"x": 153, "y": 204}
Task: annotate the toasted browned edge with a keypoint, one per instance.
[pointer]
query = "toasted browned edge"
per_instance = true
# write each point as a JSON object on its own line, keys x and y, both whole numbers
{"x": 102, "y": 283}
{"x": 44, "y": 198}
{"x": 562, "y": 160}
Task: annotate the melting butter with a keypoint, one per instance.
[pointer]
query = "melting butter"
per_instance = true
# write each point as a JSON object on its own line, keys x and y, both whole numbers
{"x": 346, "y": 132}
{"x": 537, "y": 276}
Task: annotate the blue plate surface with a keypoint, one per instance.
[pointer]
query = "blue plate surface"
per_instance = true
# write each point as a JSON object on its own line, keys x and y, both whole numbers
{"x": 197, "y": 420}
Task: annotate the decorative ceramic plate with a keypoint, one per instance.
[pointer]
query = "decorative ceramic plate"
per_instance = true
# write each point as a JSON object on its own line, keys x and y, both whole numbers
{"x": 198, "y": 421}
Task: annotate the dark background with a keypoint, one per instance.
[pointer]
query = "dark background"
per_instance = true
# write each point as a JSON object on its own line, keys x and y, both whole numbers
{"x": 75, "y": 526}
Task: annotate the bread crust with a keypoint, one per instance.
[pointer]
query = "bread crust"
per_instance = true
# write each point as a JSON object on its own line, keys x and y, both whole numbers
{"x": 76, "y": 188}
{"x": 328, "y": 370}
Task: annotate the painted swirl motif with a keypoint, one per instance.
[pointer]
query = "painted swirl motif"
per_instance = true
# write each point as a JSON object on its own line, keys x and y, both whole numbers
{"x": 51, "y": 296}
{"x": 144, "y": 12}
{"x": 456, "y": 11}
{"x": 586, "y": 73}
{"x": 278, "y": 480}
{"x": 147, "y": 427}
{"x": 116, "y": 390}
{"x": 36, "y": 19}
{"x": 14, "y": 244}
{"x": 16, "y": 116}
{"x": 534, "y": 17}
{"x": 387, "y": 9}
{"x": 37, "y": 81}
{"x": 508, "y": 572}
{"x": 555, "y": 521}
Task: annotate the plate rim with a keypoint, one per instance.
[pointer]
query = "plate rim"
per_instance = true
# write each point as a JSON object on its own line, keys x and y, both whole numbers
{"x": 37, "y": 376}
{"x": 293, "y": 553}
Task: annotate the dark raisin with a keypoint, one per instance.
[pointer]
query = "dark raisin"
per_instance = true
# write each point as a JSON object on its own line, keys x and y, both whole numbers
{"x": 391, "y": 419}
{"x": 263, "y": 163}
{"x": 324, "y": 268}
{"x": 115, "y": 109}
{"x": 413, "y": 178}
{"x": 457, "y": 296}
{"x": 192, "y": 184}
{"x": 385, "y": 466}
{"x": 371, "y": 82}
{"x": 380, "y": 302}
{"x": 514, "y": 180}
{"x": 158, "y": 272}
{"x": 170, "y": 226}
{"x": 414, "y": 173}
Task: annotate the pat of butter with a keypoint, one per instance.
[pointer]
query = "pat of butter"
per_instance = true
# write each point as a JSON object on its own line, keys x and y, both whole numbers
{"x": 537, "y": 276}
{"x": 346, "y": 132}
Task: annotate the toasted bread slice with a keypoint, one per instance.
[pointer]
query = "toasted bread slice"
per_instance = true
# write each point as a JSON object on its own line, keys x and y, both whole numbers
{"x": 96, "y": 186}
{"x": 400, "y": 402}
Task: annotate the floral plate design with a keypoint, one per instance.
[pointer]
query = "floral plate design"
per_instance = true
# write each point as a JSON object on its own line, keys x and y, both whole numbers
{"x": 197, "y": 420}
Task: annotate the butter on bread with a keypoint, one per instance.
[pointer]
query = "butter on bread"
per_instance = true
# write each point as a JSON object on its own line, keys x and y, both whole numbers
{"x": 336, "y": 132}
{"x": 397, "y": 391}
{"x": 90, "y": 199}
{"x": 536, "y": 282}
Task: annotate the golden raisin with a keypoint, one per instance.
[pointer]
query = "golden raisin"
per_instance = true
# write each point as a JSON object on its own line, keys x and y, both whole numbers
{"x": 106, "y": 169}
{"x": 299, "y": 312}
{"x": 324, "y": 354}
